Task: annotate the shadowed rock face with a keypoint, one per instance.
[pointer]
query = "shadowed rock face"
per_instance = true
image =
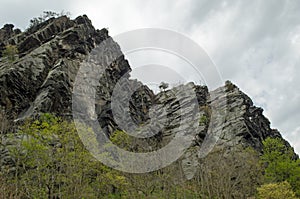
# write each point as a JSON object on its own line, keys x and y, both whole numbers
{"x": 42, "y": 78}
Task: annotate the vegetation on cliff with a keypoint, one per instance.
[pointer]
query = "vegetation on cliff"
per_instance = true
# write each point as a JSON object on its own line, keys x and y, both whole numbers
{"x": 50, "y": 161}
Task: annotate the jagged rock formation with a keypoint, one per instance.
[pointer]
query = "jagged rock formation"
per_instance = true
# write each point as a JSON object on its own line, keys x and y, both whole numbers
{"x": 49, "y": 56}
{"x": 42, "y": 79}
{"x": 6, "y": 33}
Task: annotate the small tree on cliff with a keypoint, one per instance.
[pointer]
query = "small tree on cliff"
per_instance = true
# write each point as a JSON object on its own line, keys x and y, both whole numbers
{"x": 163, "y": 86}
{"x": 10, "y": 52}
{"x": 45, "y": 16}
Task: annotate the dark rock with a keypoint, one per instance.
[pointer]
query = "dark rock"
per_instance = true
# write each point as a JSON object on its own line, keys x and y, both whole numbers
{"x": 28, "y": 44}
{"x": 6, "y": 32}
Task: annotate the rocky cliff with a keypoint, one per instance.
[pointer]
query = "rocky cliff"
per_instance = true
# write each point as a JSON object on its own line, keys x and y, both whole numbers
{"x": 42, "y": 76}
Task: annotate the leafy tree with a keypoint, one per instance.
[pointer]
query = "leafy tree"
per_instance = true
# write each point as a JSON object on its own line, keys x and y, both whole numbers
{"x": 280, "y": 163}
{"x": 234, "y": 175}
{"x": 122, "y": 139}
{"x": 52, "y": 162}
{"x": 10, "y": 52}
{"x": 229, "y": 86}
{"x": 276, "y": 191}
{"x": 8, "y": 190}
{"x": 163, "y": 86}
{"x": 45, "y": 16}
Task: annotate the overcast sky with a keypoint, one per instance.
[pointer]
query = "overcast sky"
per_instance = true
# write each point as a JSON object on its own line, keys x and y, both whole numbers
{"x": 255, "y": 44}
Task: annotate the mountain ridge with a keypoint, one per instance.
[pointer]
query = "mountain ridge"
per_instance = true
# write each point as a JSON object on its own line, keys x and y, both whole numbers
{"x": 49, "y": 56}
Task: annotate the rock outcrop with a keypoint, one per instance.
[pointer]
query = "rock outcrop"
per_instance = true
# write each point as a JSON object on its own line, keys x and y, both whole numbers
{"x": 49, "y": 57}
{"x": 42, "y": 79}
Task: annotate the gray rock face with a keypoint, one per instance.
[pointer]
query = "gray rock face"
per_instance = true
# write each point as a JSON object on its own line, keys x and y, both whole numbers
{"x": 49, "y": 57}
{"x": 245, "y": 123}
{"x": 42, "y": 79}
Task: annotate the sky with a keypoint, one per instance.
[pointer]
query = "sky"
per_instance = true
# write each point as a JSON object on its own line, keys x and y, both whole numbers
{"x": 255, "y": 44}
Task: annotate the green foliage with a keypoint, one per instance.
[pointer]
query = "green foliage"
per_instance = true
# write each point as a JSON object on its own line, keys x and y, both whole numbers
{"x": 276, "y": 191}
{"x": 8, "y": 190}
{"x": 10, "y": 52}
{"x": 121, "y": 138}
{"x": 275, "y": 149}
{"x": 203, "y": 120}
{"x": 280, "y": 165}
{"x": 53, "y": 163}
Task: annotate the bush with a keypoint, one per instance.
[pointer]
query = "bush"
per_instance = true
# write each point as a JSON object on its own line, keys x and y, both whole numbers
{"x": 203, "y": 120}
{"x": 276, "y": 191}
{"x": 229, "y": 86}
{"x": 163, "y": 86}
{"x": 10, "y": 52}
{"x": 121, "y": 138}
{"x": 52, "y": 162}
